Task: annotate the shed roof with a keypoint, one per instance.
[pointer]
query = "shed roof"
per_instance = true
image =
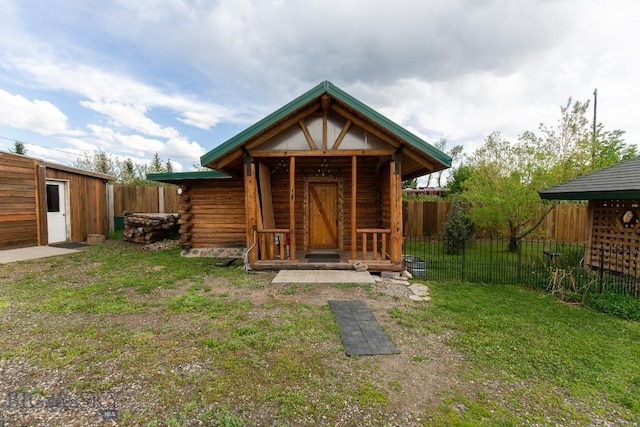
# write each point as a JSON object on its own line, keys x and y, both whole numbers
{"x": 57, "y": 166}
{"x": 440, "y": 159}
{"x": 621, "y": 181}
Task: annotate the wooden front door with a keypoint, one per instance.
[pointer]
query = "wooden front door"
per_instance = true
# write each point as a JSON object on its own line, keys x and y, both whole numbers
{"x": 323, "y": 215}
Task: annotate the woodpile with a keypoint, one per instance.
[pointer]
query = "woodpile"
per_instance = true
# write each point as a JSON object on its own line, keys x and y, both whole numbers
{"x": 148, "y": 228}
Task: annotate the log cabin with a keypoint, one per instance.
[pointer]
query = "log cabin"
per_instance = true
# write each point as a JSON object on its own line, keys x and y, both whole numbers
{"x": 317, "y": 184}
{"x": 613, "y": 215}
{"x": 44, "y": 203}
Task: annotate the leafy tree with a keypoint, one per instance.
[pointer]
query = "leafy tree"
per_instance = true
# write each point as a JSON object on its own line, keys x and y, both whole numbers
{"x": 98, "y": 161}
{"x": 458, "y": 230}
{"x": 455, "y": 152}
{"x": 570, "y": 149}
{"x": 503, "y": 189}
{"x": 18, "y": 148}
{"x": 125, "y": 171}
{"x": 411, "y": 183}
{"x": 455, "y": 183}
{"x": 104, "y": 163}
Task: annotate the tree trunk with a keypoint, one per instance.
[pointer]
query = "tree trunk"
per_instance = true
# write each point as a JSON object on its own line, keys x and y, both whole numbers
{"x": 514, "y": 242}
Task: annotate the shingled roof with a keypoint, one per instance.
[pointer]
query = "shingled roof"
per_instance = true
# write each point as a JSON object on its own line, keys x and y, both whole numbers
{"x": 621, "y": 181}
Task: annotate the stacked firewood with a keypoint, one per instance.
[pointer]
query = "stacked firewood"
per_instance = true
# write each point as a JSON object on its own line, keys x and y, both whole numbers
{"x": 148, "y": 228}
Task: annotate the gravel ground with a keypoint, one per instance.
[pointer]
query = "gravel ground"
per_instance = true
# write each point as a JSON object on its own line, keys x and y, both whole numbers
{"x": 34, "y": 394}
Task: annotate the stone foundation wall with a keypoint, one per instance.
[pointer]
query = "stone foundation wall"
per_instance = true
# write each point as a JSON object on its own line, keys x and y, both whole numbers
{"x": 214, "y": 252}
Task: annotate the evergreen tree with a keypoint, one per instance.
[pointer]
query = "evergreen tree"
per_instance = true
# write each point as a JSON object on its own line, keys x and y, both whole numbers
{"x": 156, "y": 164}
{"x": 18, "y": 148}
{"x": 168, "y": 167}
{"x": 127, "y": 172}
{"x": 458, "y": 230}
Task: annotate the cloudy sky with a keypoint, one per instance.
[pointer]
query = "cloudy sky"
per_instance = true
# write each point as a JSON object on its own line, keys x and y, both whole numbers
{"x": 179, "y": 77}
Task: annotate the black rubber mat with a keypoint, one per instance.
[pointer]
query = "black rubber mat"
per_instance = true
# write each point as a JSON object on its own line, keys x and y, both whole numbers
{"x": 360, "y": 332}
{"x": 323, "y": 257}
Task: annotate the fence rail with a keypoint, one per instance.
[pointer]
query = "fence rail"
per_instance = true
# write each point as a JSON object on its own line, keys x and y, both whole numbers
{"x": 567, "y": 222}
{"x": 552, "y": 265}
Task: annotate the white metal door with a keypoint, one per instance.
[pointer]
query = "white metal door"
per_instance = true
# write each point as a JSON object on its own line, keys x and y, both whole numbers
{"x": 57, "y": 211}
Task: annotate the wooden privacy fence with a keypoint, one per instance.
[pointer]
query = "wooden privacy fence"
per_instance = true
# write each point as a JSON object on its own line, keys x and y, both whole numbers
{"x": 136, "y": 198}
{"x": 566, "y": 223}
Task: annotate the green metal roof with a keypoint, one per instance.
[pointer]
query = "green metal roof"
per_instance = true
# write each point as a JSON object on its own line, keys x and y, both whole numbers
{"x": 310, "y": 96}
{"x": 621, "y": 181}
{"x": 184, "y": 176}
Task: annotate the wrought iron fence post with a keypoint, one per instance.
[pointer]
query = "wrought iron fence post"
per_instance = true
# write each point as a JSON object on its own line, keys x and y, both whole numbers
{"x": 519, "y": 267}
{"x": 464, "y": 258}
{"x": 491, "y": 258}
{"x": 636, "y": 284}
{"x": 600, "y": 268}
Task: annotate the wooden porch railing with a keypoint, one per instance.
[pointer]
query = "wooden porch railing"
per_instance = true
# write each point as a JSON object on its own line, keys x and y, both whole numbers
{"x": 267, "y": 238}
{"x": 382, "y": 233}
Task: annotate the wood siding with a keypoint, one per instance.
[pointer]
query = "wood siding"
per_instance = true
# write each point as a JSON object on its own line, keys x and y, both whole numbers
{"x": 87, "y": 203}
{"x": 18, "y": 220}
{"x": 136, "y": 198}
{"x": 613, "y": 244}
{"x": 216, "y": 216}
{"x": 23, "y": 203}
{"x": 566, "y": 223}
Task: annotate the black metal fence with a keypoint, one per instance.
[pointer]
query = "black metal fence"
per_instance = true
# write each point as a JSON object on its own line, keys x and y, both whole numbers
{"x": 555, "y": 266}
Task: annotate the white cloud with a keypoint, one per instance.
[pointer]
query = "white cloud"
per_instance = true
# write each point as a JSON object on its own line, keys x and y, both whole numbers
{"x": 443, "y": 68}
{"x": 104, "y": 138}
{"x": 130, "y": 117}
{"x": 124, "y": 99}
{"x": 38, "y": 116}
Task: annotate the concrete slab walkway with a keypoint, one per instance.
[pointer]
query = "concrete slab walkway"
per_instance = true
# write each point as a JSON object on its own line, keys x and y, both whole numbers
{"x": 33, "y": 252}
{"x": 288, "y": 277}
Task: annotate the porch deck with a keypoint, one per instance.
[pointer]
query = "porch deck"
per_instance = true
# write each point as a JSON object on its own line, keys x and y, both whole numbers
{"x": 302, "y": 262}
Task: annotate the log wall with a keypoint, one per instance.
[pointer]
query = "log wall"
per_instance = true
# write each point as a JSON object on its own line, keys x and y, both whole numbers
{"x": 18, "y": 221}
{"x": 212, "y": 214}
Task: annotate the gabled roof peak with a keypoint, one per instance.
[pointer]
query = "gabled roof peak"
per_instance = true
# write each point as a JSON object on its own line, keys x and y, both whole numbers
{"x": 306, "y": 99}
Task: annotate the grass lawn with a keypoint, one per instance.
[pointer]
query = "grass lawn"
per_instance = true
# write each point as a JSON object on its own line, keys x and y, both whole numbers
{"x": 115, "y": 335}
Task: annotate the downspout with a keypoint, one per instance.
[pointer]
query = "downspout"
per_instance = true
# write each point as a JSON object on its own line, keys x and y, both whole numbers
{"x": 245, "y": 255}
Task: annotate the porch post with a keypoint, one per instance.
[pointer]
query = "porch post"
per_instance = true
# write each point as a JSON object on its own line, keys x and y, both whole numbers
{"x": 354, "y": 191}
{"x": 292, "y": 208}
{"x": 395, "y": 190}
{"x": 250, "y": 190}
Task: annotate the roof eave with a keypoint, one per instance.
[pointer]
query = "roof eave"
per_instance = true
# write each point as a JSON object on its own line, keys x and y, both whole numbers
{"x": 208, "y": 159}
{"x": 263, "y": 124}
{"x": 591, "y": 195}
{"x": 177, "y": 177}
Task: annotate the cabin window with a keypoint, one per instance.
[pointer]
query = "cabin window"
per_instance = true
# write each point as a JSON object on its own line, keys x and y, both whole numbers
{"x": 53, "y": 198}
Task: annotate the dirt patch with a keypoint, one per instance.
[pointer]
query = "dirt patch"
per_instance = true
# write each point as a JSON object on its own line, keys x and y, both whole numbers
{"x": 414, "y": 379}
{"x": 97, "y": 359}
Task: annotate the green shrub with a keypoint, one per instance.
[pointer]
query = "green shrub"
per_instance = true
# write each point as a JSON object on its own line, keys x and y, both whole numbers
{"x": 458, "y": 230}
{"x": 623, "y": 306}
